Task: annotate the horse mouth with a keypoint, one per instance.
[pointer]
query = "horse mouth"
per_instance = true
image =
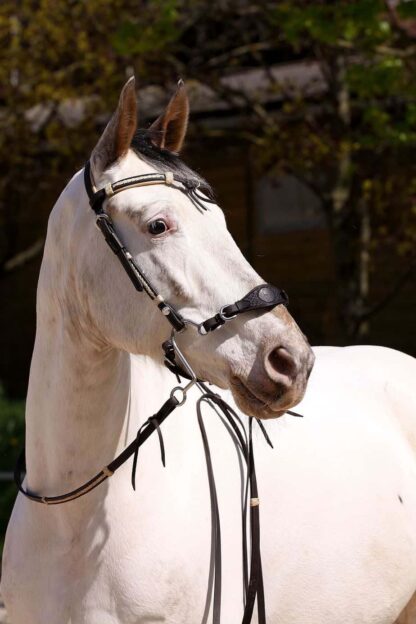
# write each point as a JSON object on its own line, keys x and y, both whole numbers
{"x": 250, "y": 403}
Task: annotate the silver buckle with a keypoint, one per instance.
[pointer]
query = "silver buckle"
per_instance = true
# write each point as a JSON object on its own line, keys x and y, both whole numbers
{"x": 223, "y": 317}
{"x": 178, "y": 389}
{"x": 104, "y": 216}
{"x": 188, "y": 368}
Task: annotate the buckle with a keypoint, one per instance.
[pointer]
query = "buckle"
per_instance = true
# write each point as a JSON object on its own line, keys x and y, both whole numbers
{"x": 182, "y": 392}
{"x": 223, "y": 317}
{"x": 102, "y": 216}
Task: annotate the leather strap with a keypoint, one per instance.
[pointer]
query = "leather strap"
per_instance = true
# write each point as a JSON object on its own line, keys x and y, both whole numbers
{"x": 104, "y": 223}
{"x": 144, "y": 433}
{"x": 216, "y": 564}
{"x": 260, "y": 299}
{"x": 254, "y": 586}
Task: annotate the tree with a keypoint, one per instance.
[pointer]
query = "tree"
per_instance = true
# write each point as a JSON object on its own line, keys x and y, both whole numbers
{"x": 55, "y": 58}
{"x": 362, "y": 137}
{"x": 62, "y": 65}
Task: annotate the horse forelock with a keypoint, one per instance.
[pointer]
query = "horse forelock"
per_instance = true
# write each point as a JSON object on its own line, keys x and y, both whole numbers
{"x": 164, "y": 160}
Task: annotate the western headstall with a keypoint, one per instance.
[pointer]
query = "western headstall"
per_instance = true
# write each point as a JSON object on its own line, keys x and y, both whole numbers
{"x": 260, "y": 299}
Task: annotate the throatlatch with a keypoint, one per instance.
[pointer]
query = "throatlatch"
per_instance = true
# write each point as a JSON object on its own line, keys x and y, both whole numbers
{"x": 260, "y": 299}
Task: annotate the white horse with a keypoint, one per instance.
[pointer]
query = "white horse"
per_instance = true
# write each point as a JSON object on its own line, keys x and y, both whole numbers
{"x": 338, "y": 492}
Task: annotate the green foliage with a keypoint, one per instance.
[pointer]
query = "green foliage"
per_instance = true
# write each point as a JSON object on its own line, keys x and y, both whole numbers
{"x": 132, "y": 37}
{"x": 331, "y": 23}
{"x": 11, "y": 441}
{"x": 358, "y": 144}
{"x": 54, "y": 53}
{"x": 407, "y": 9}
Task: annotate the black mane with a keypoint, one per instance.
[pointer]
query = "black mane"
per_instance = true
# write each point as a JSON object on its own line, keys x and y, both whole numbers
{"x": 163, "y": 160}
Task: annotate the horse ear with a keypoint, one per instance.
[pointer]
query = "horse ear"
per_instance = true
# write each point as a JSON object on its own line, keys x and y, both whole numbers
{"x": 116, "y": 138}
{"x": 168, "y": 131}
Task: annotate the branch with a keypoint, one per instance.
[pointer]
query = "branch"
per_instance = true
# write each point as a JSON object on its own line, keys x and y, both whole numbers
{"x": 250, "y": 48}
{"x": 408, "y": 26}
{"x": 239, "y": 98}
{"x": 24, "y": 256}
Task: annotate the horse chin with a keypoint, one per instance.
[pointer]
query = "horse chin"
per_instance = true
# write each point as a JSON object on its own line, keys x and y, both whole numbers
{"x": 251, "y": 404}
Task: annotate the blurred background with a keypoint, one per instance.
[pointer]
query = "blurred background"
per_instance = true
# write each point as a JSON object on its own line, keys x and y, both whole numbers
{"x": 303, "y": 118}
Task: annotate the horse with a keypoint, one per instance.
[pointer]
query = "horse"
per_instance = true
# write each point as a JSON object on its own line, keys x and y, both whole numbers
{"x": 337, "y": 494}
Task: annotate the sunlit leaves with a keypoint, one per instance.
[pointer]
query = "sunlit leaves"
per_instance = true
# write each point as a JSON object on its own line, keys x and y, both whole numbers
{"x": 135, "y": 36}
{"x": 11, "y": 440}
{"x": 330, "y": 23}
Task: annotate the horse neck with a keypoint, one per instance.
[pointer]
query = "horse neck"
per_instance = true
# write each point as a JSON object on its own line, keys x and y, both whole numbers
{"x": 85, "y": 400}
{"x": 84, "y": 404}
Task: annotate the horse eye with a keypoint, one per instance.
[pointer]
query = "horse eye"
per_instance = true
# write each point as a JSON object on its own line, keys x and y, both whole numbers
{"x": 157, "y": 227}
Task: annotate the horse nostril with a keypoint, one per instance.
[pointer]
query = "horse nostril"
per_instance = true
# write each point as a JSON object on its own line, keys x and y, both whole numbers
{"x": 280, "y": 363}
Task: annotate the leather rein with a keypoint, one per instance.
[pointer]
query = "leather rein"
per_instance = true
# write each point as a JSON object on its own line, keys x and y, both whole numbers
{"x": 260, "y": 299}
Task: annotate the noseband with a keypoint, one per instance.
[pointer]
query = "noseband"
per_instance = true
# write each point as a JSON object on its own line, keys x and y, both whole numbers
{"x": 260, "y": 299}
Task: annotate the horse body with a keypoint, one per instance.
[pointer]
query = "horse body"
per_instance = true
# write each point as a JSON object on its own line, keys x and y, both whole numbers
{"x": 338, "y": 509}
{"x": 342, "y": 521}
{"x": 338, "y": 493}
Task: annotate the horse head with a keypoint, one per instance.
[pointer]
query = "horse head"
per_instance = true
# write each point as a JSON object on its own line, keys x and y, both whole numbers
{"x": 190, "y": 256}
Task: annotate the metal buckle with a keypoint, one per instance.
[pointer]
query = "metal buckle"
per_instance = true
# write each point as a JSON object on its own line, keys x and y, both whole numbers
{"x": 223, "y": 317}
{"x": 188, "y": 368}
{"x": 178, "y": 389}
{"x": 103, "y": 216}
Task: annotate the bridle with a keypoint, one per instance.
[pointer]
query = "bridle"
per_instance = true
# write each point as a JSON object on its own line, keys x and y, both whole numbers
{"x": 263, "y": 297}
{"x": 260, "y": 299}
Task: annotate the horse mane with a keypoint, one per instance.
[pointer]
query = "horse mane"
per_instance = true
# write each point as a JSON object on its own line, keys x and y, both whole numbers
{"x": 164, "y": 160}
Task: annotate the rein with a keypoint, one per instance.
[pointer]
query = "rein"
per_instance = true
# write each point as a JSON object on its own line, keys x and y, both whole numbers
{"x": 260, "y": 299}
